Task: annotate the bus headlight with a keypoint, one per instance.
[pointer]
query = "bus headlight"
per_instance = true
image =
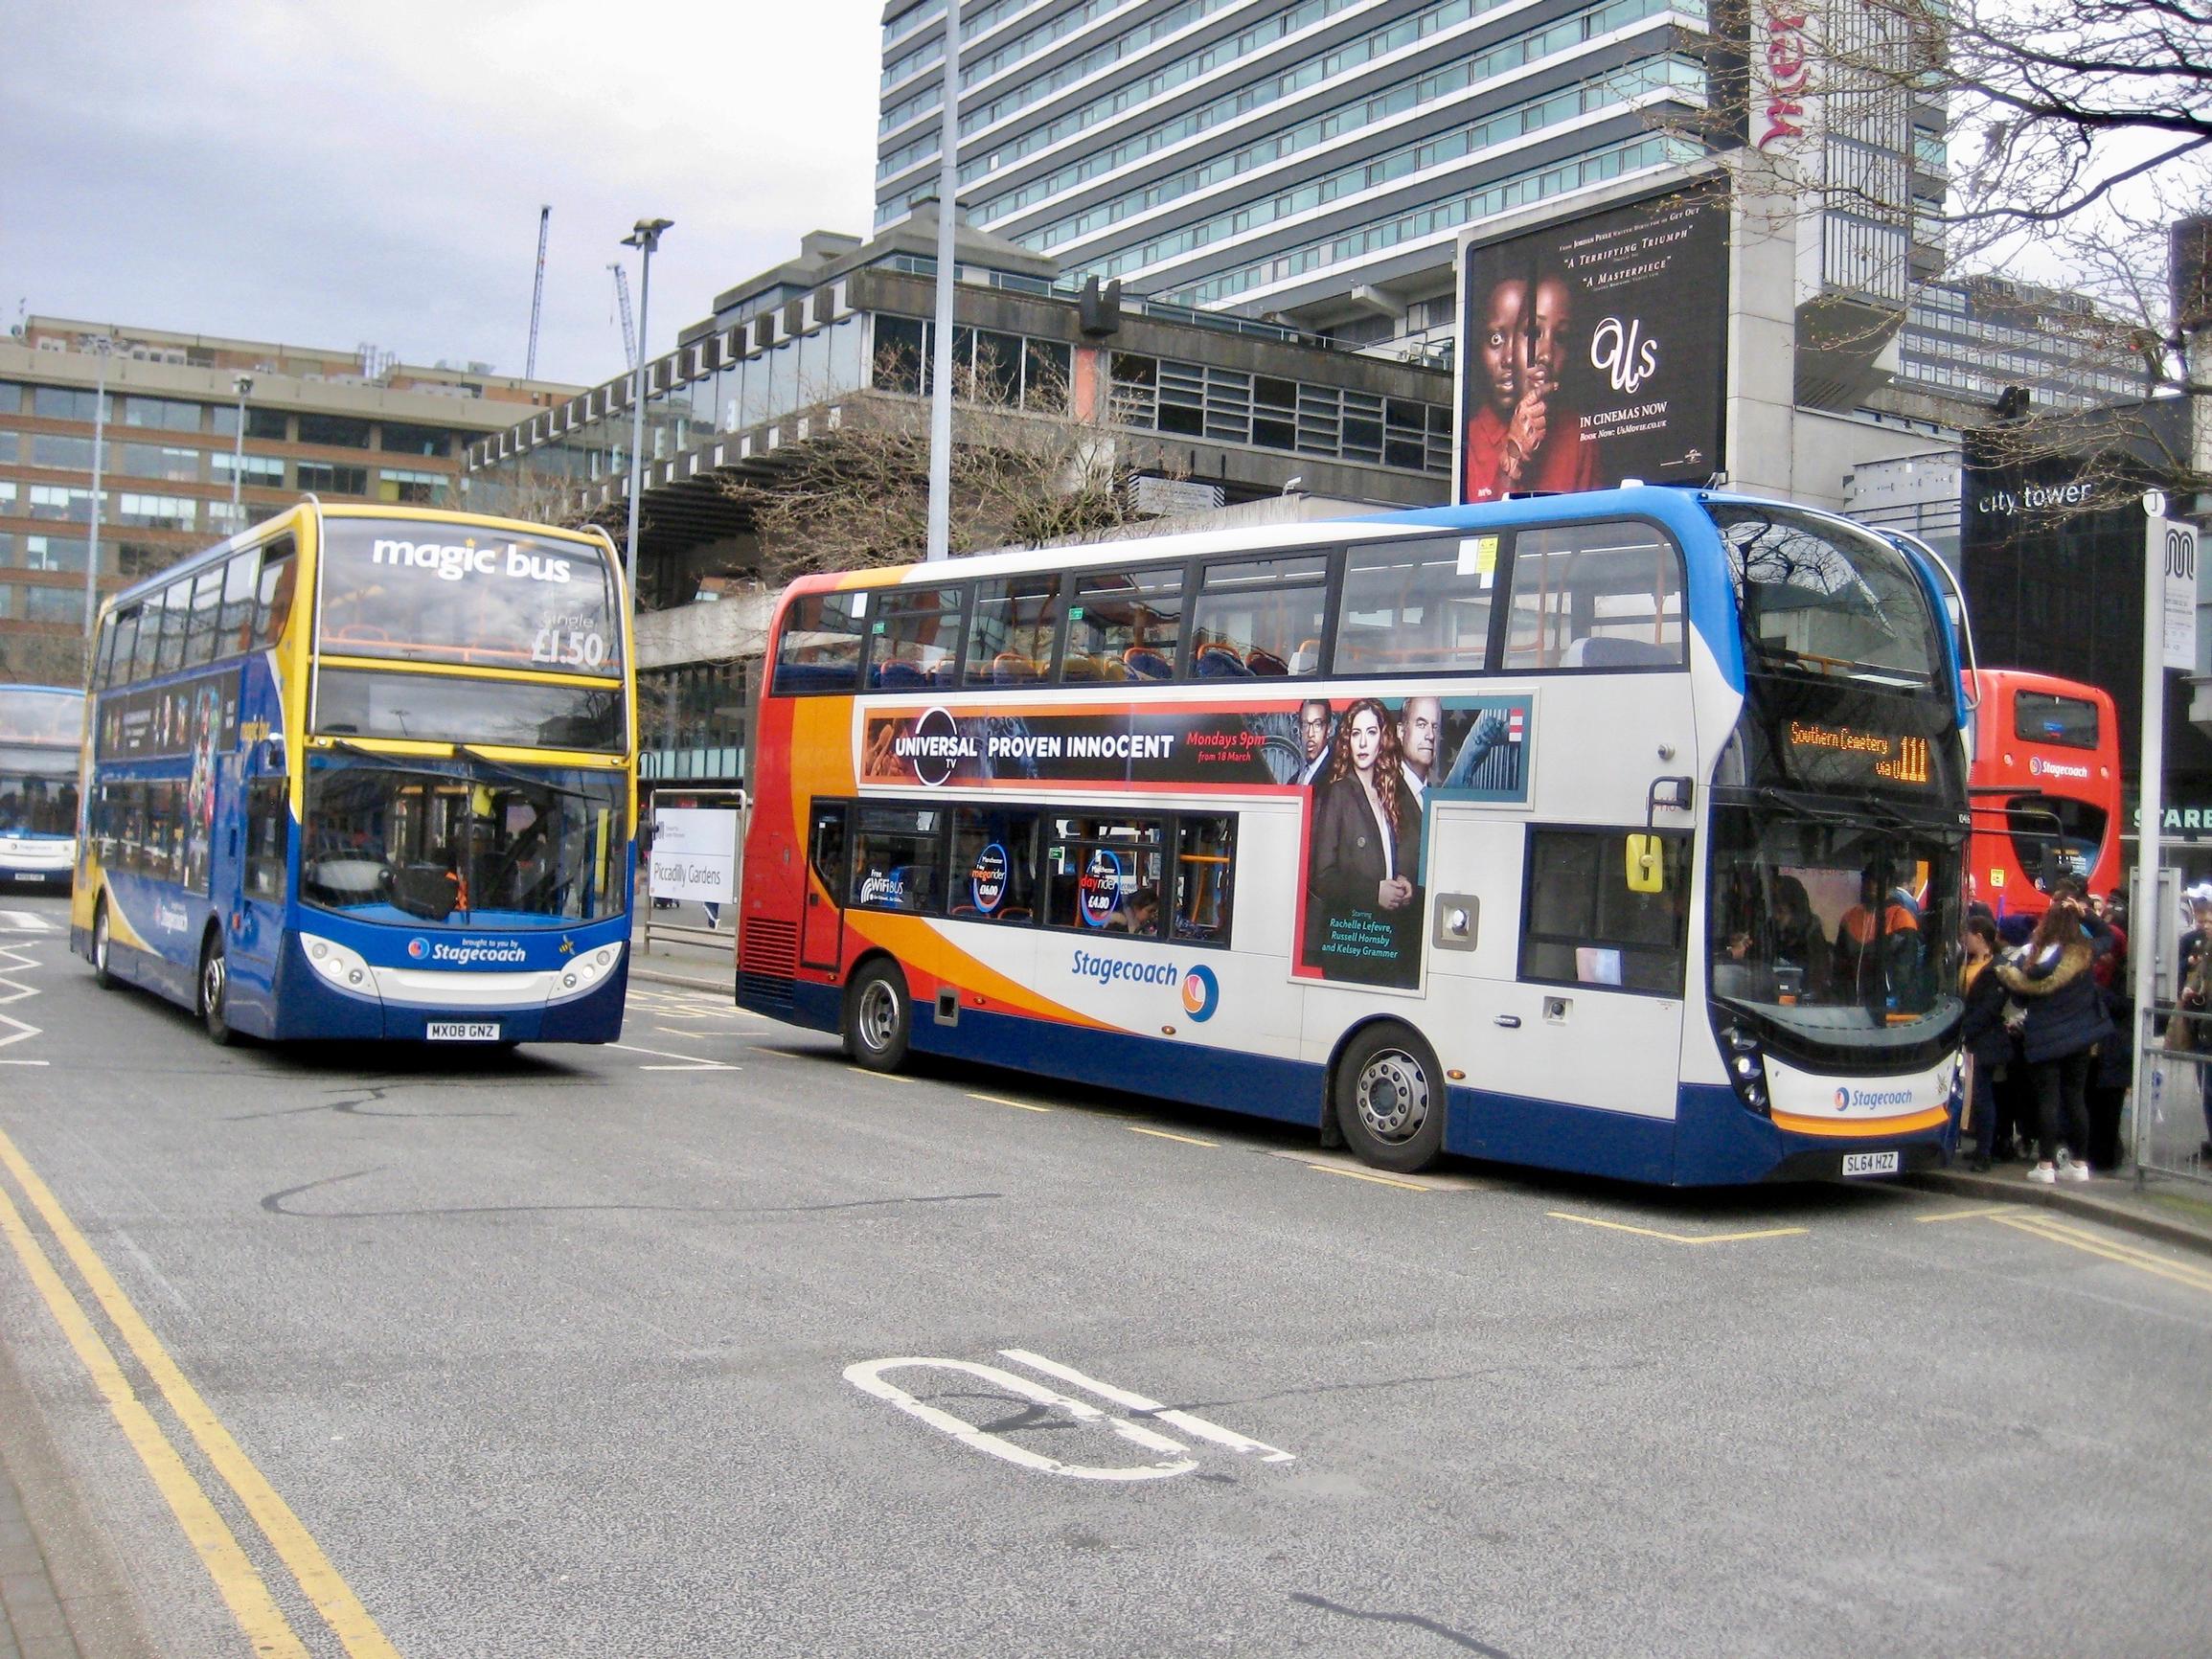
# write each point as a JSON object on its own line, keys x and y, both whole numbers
{"x": 1746, "y": 1065}
{"x": 342, "y": 969}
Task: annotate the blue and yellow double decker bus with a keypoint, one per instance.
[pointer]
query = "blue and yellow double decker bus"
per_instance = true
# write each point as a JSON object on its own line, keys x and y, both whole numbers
{"x": 41, "y": 735}
{"x": 368, "y": 772}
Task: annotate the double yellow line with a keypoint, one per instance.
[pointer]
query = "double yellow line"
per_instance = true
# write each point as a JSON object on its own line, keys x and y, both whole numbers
{"x": 2041, "y": 1224}
{"x": 239, "y": 1583}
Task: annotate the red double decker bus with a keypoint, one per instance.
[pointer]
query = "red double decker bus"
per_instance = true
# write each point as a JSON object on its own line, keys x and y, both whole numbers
{"x": 2045, "y": 784}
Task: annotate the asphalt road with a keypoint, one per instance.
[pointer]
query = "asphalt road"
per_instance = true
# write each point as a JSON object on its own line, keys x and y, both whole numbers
{"x": 569, "y": 1352}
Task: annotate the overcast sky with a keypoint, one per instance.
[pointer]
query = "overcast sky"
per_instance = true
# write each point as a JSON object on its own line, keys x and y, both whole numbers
{"x": 332, "y": 173}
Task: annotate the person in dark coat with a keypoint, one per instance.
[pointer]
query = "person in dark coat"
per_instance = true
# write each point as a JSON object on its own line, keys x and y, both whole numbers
{"x": 2114, "y": 1071}
{"x": 1983, "y": 1035}
{"x": 2066, "y": 1022}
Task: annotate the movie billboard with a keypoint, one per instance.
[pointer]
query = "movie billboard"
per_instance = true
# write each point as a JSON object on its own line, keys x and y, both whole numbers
{"x": 1595, "y": 350}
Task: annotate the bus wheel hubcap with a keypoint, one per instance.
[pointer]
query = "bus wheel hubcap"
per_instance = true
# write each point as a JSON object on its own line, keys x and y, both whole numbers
{"x": 99, "y": 938}
{"x": 1393, "y": 1093}
{"x": 215, "y": 984}
{"x": 879, "y": 1015}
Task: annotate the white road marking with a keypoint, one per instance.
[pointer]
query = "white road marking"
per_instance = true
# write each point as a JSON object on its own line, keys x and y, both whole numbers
{"x": 692, "y": 1062}
{"x": 15, "y": 959}
{"x": 24, "y": 922}
{"x": 868, "y": 1376}
{"x": 1197, "y": 1426}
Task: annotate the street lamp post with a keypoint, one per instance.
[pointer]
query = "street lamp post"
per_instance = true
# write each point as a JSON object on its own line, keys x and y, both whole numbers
{"x": 644, "y": 237}
{"x": 243, "y": 384}
{"x": 939, "y": 524}
{"x": 98, "y": 457}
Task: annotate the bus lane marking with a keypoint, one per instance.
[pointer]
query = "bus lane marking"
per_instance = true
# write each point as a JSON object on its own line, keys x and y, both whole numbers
{"x": 15, "y": 959}
{"x": 1175, "y": 1458}
{"x": 24, "y": 922}
{"x": 883, "y": 1077}
{"x": 1165, "y": 1135}
{"x": 1002, "y": 1100}
{"x": 1681, "y": 1238}
{"x": 318, "y": 1578}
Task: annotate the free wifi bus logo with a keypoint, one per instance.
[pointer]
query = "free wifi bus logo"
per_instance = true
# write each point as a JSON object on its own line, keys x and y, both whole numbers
{"x": 1202, "y": 993}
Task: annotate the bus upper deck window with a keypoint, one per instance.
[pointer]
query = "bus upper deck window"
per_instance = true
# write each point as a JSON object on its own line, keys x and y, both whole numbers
{"x": 1264, "y": 614}
{"x": 819, "y": 648}
{"x": 1416, "y": 607}
{"x": 274, "y": 603}
{"x": 1125, "y": 624}
{"x": 1011, "y": 628}
{"x": 913, "y": 641}
{"x": 1595, "y": 596}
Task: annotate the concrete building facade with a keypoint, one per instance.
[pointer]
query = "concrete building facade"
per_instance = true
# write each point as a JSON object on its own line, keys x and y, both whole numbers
{"x": 317, "y": 421}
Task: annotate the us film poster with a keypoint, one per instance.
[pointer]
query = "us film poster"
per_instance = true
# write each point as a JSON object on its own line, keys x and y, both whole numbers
{"x": 1595, "y": 350}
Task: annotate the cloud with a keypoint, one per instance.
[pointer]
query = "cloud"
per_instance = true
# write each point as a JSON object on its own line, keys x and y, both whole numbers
{"x": 335, "y": 175}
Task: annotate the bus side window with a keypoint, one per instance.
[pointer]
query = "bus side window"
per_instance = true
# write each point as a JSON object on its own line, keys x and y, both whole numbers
{"x": 274, "y": 603}
{"x": 1585, "y": 926}
{"x": 207, "y": 593}
{"x": 268, "y": 816}
{"x": 828, "y": 852}
{"x": 241, "y": 579}
{"x": 144, "y": 653}
{"x": 915, "y": 638}
{"x": 1265, "y": 613}
{"x": 993, "y": 864}
{"x": 175, "y": 624}
{"x": 1595, "y": 596}
{"x": 1011, "y": 632}
{"x": 1205, "y": 869}
{"x": 1414, "y": 605}
{"x": 898, "y": 859}
{"x": 819, "y": 647}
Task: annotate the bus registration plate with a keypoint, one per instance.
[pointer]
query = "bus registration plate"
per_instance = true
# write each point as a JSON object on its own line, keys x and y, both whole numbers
{"x": 1870, "y": 1162}
{"x": 466, "y": 1032}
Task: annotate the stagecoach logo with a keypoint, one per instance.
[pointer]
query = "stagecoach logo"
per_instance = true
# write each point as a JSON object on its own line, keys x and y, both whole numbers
{"x": 2040, "y": 767}
{"x": 1201, "y": 995}
{"x": 418, "y": 947}
{"x": 1869, "y": 1099}
{"x": 934, "y": 747}
{"x": 1200, "y": 990}
{"x": 473, "y": 953}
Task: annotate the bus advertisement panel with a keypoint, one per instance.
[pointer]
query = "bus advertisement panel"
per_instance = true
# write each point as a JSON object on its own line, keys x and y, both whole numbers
{"x": 1618, "y": 831}
{"x": 2046, "y": 790}
{"x": 368, "y": 773}
{"x": 41, "y": 743}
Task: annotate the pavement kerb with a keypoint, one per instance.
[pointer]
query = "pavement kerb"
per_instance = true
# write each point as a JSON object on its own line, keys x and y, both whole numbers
{"x": 656, "y": 976}
{"x": 2088, "y": 1206}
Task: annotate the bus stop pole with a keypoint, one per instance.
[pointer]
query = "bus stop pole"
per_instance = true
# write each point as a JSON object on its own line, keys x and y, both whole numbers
{"x": 2147, "y": 928}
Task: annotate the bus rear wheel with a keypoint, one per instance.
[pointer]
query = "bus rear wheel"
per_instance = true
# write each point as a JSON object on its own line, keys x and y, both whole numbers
{"x": 102, "y": 975}
{"x": 879, "y": 1017}
{"x": 1390, "y": 1100}
{"x": 214, "y": 992}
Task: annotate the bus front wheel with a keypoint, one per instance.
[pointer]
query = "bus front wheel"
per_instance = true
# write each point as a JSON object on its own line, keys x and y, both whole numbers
{"x": 1390, "y": 1100}
{"x": 214, "y": 992}
{"x": 879, "y": 1017}
{"x": 102, "y": 975}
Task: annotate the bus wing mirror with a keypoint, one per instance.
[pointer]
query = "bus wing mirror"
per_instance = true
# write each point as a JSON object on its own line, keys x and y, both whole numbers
{"x": 1647, "y": 868}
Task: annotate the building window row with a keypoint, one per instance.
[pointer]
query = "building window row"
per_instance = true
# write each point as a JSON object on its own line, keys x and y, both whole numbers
{"x": 221, "y": 420}
{"x": 1623, "y": 86}
{"x": 1575, "y": 172}
{"x": 1297, "y": 77}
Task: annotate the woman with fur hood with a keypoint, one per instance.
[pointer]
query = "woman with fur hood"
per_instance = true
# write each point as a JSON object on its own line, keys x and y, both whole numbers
{"x": 2066, "y": 1021}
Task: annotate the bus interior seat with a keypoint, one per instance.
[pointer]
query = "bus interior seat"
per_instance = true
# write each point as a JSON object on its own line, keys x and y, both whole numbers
{"x": 1009, "y": 668}
{"x": 1610, "y": 651}
{"x": 1113, "y": 668}
{"x": 901, "y": 674}
{"x": 1146, "y": 664}
{"x": 1261, "y": 662}
{"x": 1306, "y": 657}
{"x": 1219, "y": 663}
{"x": 1078, "y": 665}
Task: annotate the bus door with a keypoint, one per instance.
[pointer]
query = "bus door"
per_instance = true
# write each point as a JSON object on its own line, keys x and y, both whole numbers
{"x": 822, "y": 926}
{"x": 1536, "y": 966}
{"x": 257, "y": 927}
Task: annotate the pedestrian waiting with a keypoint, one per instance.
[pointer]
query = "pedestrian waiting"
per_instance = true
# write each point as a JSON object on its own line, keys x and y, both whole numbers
{"x": 2061, "y": 1021}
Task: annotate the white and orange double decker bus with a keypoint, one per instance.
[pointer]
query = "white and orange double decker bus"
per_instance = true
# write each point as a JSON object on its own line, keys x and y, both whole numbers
{"x": 1619, "y": 831}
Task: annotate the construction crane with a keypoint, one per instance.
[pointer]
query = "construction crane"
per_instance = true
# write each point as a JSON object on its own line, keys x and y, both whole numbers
{"x": 628, "y": 331}
{"x": 537, "y": 294}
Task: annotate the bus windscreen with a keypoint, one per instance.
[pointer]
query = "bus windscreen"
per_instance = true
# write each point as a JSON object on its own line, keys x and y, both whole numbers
{"x": 428, "y": 592}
